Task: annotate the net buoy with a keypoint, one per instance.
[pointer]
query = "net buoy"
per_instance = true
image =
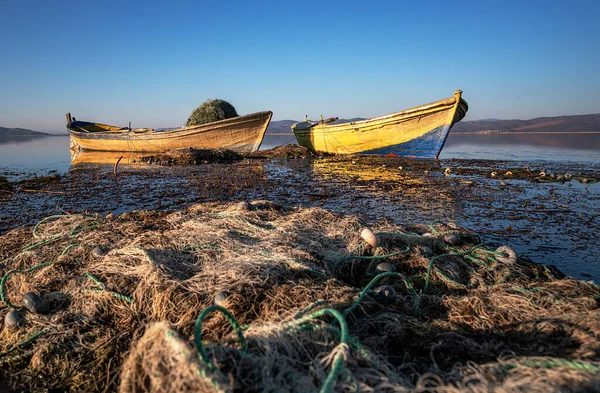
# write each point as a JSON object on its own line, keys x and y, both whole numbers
{"x": 35, "y": 303}
{"x": 14, "y": 319}
{"x": 221, "y": 298}
{"x": 452, "y": 238}
{"x": 99, "y": 251}
{"x": 384, "y": 294}
{"x": 368, "y": 236}
{"x": 510, "y": 255}
{"x": 385, "y": 267}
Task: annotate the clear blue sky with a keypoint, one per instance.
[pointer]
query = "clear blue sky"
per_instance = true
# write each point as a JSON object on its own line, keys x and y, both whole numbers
{"x": 152, "y": 63}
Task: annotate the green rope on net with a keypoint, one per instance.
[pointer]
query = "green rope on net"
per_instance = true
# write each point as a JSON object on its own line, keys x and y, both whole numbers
{"x": 17, "y": 358}
{"x": 352, "y": 380}
{"x": 68, "y": 248}
{"x": 536, "y": 268}
{"x": 369, "y": 258}
{"x": 477, "y": 261}
{"x": 366, "y": 289}
{"x": 310, "y": 307}
{"x": 492, "y": 252}
{"x": 338, "y": 362}
{"x": 102, "y": 288}
{"x": 353, "y": 341}
{"x": 3, "y": 297}
{"x": 95, "y": 280}
{"x": 431, "y": 226}
{"x": 75, "y": 231}
{"x": 52, "y": 239}
{"x": 24, "y": 343}
{"x": 198, "y": 334}
{"x": 476, "y": 258}
{"x": 433, "y": 259}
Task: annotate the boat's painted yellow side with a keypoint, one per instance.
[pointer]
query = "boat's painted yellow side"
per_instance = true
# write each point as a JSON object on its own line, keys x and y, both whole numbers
{"x": 240, "y": 134}
{"x": 416, "y": 132}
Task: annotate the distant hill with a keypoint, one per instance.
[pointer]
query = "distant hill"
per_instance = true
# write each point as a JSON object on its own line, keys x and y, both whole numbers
{"x": 577, "y": 123}
{"x": 281, "y": 127}
{"x": 20, "y": 132}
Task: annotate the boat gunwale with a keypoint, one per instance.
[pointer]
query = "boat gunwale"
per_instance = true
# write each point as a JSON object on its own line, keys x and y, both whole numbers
{"x": 443, "y": 104}
{"x": 152, "y": 133}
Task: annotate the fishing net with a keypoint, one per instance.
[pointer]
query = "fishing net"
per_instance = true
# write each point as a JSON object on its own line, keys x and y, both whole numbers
{"x": 211, "y": 110}
{"x": 133, "y": 306}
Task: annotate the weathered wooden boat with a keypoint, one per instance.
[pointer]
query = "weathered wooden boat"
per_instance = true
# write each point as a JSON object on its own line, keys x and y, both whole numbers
{"x": 241, "y": 134}
{"x": 419, "y": 132}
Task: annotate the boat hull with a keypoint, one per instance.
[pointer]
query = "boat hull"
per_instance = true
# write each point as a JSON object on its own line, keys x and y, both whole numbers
{"x": 241, "y": 134}
{"x": 418, "y": 132}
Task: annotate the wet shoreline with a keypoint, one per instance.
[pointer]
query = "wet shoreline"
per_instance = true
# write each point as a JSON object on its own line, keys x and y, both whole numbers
{"x": 550, "y": 217}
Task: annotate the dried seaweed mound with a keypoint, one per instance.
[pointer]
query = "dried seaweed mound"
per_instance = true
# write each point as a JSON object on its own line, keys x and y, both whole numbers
{"x": 253, "y": 297}
{"x": 191, "y": 156}
{"x": 286, "y": 151}
{"x": 211, "y": 110}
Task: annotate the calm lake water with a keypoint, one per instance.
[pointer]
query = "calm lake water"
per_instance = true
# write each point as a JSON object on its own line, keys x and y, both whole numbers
{"x": 22, "y": 157}
{"x": 583, "y": 148}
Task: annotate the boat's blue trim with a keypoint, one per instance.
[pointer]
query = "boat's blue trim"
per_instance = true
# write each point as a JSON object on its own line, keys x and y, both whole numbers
{"x": 428, "y": 145}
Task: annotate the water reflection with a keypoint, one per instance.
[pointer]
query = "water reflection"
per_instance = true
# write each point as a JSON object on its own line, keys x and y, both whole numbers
{"x": 530, "y": 147}
{"x": 371, "y": 187}
{"x": 19, "y": 140}
{"x": 581, "y": 141}
{"x": 103, "y": 157}
{"x": 27, "y": 156}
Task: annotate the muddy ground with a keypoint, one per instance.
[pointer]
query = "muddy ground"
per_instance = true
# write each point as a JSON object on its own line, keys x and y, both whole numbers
{"x": 548, "y": 211}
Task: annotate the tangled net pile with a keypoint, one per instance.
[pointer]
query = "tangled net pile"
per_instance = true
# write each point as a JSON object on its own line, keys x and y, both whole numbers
{"x": 211, "y": 110}
{"x": 299, "y": 307}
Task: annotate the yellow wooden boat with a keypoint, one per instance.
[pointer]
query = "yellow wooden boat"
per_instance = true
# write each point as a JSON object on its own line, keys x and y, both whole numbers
{"x": 241, "y": 134}
{"x": 419, "y": 132}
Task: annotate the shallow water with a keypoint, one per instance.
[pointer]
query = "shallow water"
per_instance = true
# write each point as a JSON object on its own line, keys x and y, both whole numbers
{"x": 22, "y": 157}
{"x": 584, "y": 148}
